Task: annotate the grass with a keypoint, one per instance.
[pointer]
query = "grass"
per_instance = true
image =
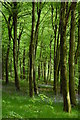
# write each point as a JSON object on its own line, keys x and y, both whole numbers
{"x": 20, "y": 105}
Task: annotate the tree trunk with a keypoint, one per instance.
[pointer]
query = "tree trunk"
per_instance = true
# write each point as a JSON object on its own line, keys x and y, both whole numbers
{"x": 34, "y": 69}
{"x": 39, "y": 73}
{"x": 66, "y": 97}
{"x": 31, "y": 52}
{"x": 79, "y": 51}
{"x": 55, "y": 62}
{"x": 20, "y": 33}
{"x": 15, "y": 46}
{"x": 48, "y": 74}
{"x": 71, "y": 59}
{"x": 35, "y": 49}
{"x": 24, "y": 64}
{"x": 8, "y": 49}
{"x": 79, "y": 74}
{"x": 57, "y": 59}
{"x": 34, "y": 81}
{"x": 40, "y": 62}
{"x": 44, "y": 71}
{"x": 3, "y": 65}
{"x": 60, "y": 83}
{"x": 7, "y": 63}
{"x": 50, "y": 58}
{"x": 20, "y": 70}
{"x": 28, "y": 71}
{"x": 11, "y": 67}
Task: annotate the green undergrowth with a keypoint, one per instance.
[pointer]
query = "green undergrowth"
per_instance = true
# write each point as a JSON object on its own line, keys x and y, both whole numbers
{"x": 18, "y": 104}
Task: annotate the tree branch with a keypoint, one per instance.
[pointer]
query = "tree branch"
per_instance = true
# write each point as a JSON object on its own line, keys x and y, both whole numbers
{"x": 4, "y": 16}
{"x": 72, "y": 6}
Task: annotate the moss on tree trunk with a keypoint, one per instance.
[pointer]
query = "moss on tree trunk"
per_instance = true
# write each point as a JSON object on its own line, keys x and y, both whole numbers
{"x": 66, "y": 98}
{"x": 71, "y": 59}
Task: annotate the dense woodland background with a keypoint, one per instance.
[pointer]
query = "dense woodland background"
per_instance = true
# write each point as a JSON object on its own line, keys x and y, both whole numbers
{"x": 41, "y": 53}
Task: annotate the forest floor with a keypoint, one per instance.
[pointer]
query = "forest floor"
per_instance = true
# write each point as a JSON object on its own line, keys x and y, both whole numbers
{"x": 18, "y": 104}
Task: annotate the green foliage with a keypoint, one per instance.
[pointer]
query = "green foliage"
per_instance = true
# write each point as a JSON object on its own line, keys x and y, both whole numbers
{"x": 19, "y": 104}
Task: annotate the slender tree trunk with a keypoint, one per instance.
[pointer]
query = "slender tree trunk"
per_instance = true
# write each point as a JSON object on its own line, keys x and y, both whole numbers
{"x": 7, "y": 63}
{"x": 28, "y": 71}
{"x": 34, "y": 50}
{"x": 8, "y": 49}
{"x": 39, "y": 73}
{"x": 15, "y": 46}
{"x": 24, "y": 64}
{"x": 71, "y": 59}
{"x": 60, "y": 83}
{"x": 50, "y": 58}
{"x": 44, "y": 71}
{"x": 55, "y": 62}
{"x": 79, "y": 73}
{"x": 31, "y": 52}
{"x": 48, "y": 74}
{"x": 11, "y": 67}
{"x": 34, "y": 71}
{"x": 79, "y": 52}
{"x": 57, "y": 59}
{"x": 3, "y": 65}
{"x": 58, "y": 71}
{"x": 20, "y": 70}
{"x": 56, "y": 53}
{"x": 20, "y": 33}
{"x": 42, "y": 65}
{"x": 66, "y": 97}
{"x": 34, "y": 81}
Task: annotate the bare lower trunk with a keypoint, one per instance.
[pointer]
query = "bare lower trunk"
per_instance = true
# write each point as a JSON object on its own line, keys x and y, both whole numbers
{"x": 34, "y": 78}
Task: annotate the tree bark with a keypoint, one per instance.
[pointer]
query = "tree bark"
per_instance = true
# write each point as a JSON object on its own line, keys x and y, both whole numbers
{"x": 48, "y": 74}
{"x": 39, "y": 72}
{"x": 24, "y": 64}
{"x": 66, "y": 97}
{"x": 11, "y": 67}
{"x": 3, "y": 63}
{"x": 15, "y": 45}
{"x": 55, "y": 62}
{"x": 31, "y": 52}
{"x": 50, "y": 58}
{"x": 79, "y": 51}
{"x": 71, "y": 59}
{"x": 45, "y": 72}
{"x": 20, "y": 33}
{"x": 79, "y": 73}
{"x": 20, "y": 70}
{"x": 35, "y": 49}
{"x": 8, "y": 49}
